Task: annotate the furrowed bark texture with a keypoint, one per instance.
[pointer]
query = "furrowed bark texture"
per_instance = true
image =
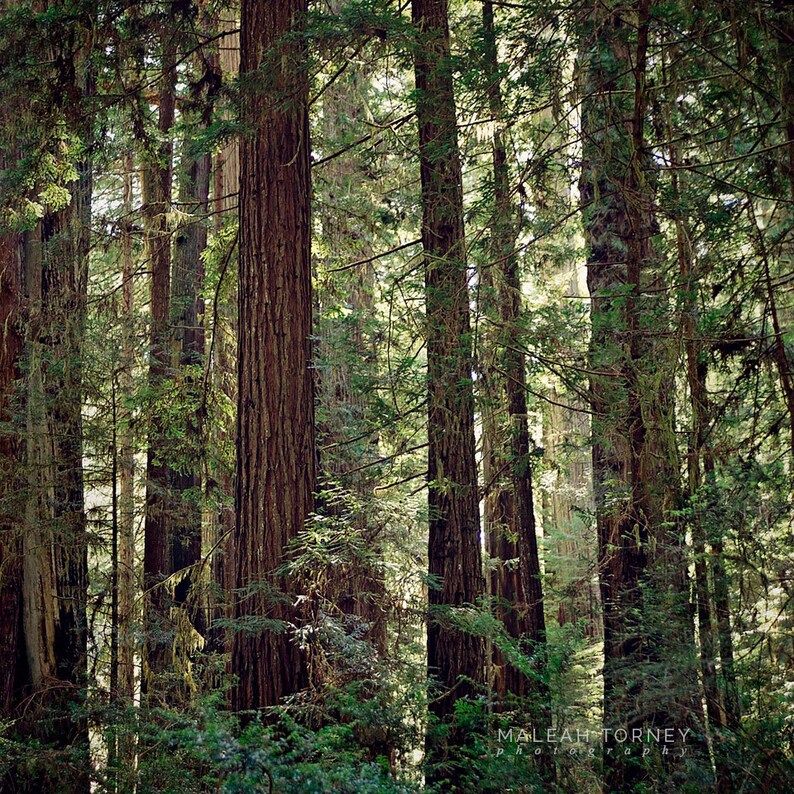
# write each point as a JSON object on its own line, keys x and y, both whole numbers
{"x": 642, "y": 568}
{"x": 515, "y": 514}
{"x": 221, "y": 329}
{"x": 275, "y": 430}
{"x": 157, "y": 562}
{"x": 55, "y": 543}
{"x": 454, "y": 554}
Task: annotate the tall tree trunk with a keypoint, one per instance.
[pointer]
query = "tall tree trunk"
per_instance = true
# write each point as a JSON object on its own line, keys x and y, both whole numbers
{"x": 720, "y": 710}
{"x": 455, "y": 659}
{"x": 55, "y": 543}
{"x": 223, "y": 347}
{"x": 43, "y": 544}
{"x": 12, "y": 338}
{"x": 157, "y": 562}
{"x": 187, "y": 318}
{"x": 13, "y": 674}
{"x": 642, "y": 568}
{"x": 122, "y": 681}
{"x": 275, "y": 425}
{"x": 499, "y": 514}
{"x": 127, "y": 577}
{"x": 353, "y": 590}
{"x": 226, "y": 174}
{"x": 509, "y": 372}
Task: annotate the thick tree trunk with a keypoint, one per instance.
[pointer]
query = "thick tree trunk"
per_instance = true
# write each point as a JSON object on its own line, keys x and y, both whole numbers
{"x": 647, "y": 619}
{"x": 455, "y": 659}
{"x": 55, "y": 544}
{"x": 43, "y": 542}
{"x": 275, "y": 425}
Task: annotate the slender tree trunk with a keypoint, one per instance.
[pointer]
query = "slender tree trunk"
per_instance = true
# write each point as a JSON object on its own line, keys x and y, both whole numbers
{"x": 783, "y": 32}
{"x": 722, "y": 604}
{"x": 12, "y": 337}
{"x": 187, "y": 317}
{"x": 698, "y": 395}
{"x": 157, "y": 562}
{"x": 112, "y": 743}
{"x": 510, "y": 373}
{"x": 275, "y": 425}
{"x": 504, "y": 582}
{"x": 223, "y": 346}
{"x": 226, "y": 174}
{"x": 13, "y": 673}
{"x": 127, "y": 574}
{"x": 121, "y": 746}
{"x": 455, "y": 659}
{"x": 696, "y": 379}
{"x": 353, "y": 589}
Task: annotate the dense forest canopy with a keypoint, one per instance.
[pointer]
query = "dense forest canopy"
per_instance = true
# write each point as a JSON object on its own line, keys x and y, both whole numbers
{"x": 396, "y": 396}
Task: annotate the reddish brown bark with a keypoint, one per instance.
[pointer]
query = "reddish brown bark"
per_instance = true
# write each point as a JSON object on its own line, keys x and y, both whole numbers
{"x": 12, "y": 338}
{"x": 221, "y": 328}
{"x": 510, "y": 372}
{"x": 455, "y": 659}
{"x": 642, "y": 568}
{"x": 11, "y": 505}
{"x": 275, "y": 430}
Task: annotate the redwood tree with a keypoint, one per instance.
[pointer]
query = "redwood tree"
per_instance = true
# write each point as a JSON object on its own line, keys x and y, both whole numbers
{"x": 11, "y": 344}
{"x": 275, "y": 424}
{"x": 642, "y": 569}
{"x": 455, "y": 659}
{"x": 516, "y": 511}
{"x": 156, "y": 194}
